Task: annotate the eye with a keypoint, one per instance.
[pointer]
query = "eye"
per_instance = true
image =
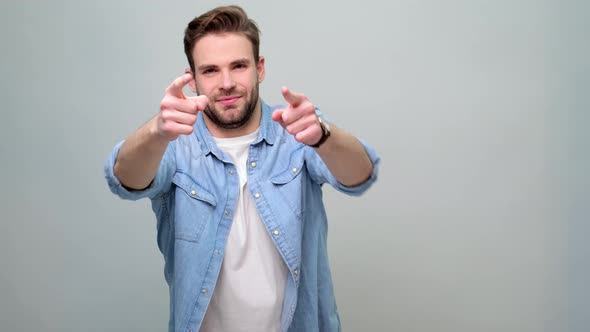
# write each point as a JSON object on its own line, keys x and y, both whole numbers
{"x": 208, "y": 71}
{"x": 240, "y": 66}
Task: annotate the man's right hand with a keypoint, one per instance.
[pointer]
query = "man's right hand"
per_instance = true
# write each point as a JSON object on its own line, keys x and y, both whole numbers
{"x": 178, "y": 113}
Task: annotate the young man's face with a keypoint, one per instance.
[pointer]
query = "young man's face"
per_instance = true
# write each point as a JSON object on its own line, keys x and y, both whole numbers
{"x": 225, "y": 71}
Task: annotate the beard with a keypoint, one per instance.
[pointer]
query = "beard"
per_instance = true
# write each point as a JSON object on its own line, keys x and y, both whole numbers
{"x": 243, "y": 115}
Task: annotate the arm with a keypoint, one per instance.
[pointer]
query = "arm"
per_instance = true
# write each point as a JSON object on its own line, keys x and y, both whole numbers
{"x": 343, "y": 154}
{"x": 345, "y": 157}
{"x": 140, "y": 155}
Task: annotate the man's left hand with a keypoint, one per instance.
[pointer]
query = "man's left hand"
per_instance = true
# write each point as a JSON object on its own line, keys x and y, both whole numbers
{"x": 299, "y": 118}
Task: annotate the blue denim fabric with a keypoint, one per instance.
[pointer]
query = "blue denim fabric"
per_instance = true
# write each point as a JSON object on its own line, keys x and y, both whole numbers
{"x": 194, "y": 196}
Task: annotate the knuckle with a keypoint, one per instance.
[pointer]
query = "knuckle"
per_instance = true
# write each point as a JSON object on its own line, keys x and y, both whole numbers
{"x": 192, "y": 119}
{"x": 186, "y": 130}
{"x": 165, "y": 114}
{"x": 299, "y": 138}
{"x": 165, "y": 103}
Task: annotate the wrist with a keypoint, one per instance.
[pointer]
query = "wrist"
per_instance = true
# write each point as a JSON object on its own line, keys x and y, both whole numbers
{"x": 326, "y": 133}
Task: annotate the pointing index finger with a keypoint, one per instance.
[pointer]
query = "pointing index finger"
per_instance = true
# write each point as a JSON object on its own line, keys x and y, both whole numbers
{"x": 175, "y": 88}
{"x": 291, "y": 97}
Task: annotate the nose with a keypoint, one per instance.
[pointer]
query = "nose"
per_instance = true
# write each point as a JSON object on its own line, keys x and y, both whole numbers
{"x": 227, "y": 82}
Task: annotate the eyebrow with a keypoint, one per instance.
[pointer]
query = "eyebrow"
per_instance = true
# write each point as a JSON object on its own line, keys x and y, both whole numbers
{"x": 243, "y": 61}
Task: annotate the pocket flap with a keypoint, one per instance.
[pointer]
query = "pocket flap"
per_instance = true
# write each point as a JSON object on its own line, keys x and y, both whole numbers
{"x": 192, "y": 188}
{"x": 289, "y": 174}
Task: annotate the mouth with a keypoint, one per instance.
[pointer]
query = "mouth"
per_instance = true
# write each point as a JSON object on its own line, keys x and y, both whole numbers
{"x": 228, "y": 100}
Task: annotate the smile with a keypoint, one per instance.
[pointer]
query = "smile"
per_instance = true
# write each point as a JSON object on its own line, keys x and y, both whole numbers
{"x": 227, "y": 101}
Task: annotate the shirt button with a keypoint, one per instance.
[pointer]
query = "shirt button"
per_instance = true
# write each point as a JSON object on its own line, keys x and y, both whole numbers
{"x": 204, "y": 291}
{"x": 226, "y": 213}
{"x": 231, "y": 172}
{"x": 193, "y": 192}
{"x": 276, "y": 232}
{"x": 253, "y": 164}
{"x": 294, "y": 170}
{"x": 296, "y": 272}
{"x": 257, "y": 195}
{"x": 218, "y": 251}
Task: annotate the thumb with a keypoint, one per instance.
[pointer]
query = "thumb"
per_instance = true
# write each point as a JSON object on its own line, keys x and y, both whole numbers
{"x": 277, "y": 116}
{"x": 201, "y": 102}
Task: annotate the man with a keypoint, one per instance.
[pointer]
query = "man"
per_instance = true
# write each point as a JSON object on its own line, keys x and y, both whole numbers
{"x": 236, "y": 188}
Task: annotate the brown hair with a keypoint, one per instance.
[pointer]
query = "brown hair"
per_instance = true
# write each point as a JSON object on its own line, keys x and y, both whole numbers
{"x": 219, "y": 20}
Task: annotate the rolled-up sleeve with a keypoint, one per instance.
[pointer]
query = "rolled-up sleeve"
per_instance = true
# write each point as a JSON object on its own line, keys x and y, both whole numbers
{"x": 320, "y": 172}
{"x": 160, "y": 184}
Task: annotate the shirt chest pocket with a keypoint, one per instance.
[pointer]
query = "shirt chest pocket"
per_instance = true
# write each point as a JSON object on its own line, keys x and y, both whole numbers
{"x": 289, "y": 185}
{"x": 193, "y": 209}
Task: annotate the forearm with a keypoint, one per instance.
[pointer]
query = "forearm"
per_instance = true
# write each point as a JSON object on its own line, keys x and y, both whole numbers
{"x": 139, "y": 157}
{"x": 345, "y": 157}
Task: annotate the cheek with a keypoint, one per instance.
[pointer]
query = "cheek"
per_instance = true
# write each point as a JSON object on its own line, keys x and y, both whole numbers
{"x": 209, "y": 81}
{"x": 247, "y": 80}
{"x": 202, "y": 88}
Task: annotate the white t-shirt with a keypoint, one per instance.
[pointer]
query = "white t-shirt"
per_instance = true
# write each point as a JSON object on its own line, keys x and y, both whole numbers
{"x": 251, "y": 285}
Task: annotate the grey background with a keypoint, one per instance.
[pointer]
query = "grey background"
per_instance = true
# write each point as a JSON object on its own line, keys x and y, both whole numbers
{"x": 478, "y": 109}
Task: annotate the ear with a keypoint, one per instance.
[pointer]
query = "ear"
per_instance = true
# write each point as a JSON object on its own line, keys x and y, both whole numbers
{"x": 260, "y": 69}
{"x": 192, "y": 83}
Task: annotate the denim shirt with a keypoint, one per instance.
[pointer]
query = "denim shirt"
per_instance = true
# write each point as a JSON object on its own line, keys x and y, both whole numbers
{"x": 194, "y": 196}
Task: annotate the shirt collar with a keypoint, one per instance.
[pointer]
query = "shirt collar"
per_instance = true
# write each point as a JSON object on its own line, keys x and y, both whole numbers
{"x": 267, "y": 125}
{"x": 266, "y": 132}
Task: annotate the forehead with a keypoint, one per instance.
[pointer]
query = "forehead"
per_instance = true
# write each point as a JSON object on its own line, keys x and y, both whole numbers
{"x": 219, "y": 49}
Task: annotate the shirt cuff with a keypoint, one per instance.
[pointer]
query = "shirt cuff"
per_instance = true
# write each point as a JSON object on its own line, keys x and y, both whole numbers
{"x": 362, "y": 187}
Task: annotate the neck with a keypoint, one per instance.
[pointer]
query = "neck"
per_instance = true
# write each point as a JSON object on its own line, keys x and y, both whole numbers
{"x": 247, "y": 128}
